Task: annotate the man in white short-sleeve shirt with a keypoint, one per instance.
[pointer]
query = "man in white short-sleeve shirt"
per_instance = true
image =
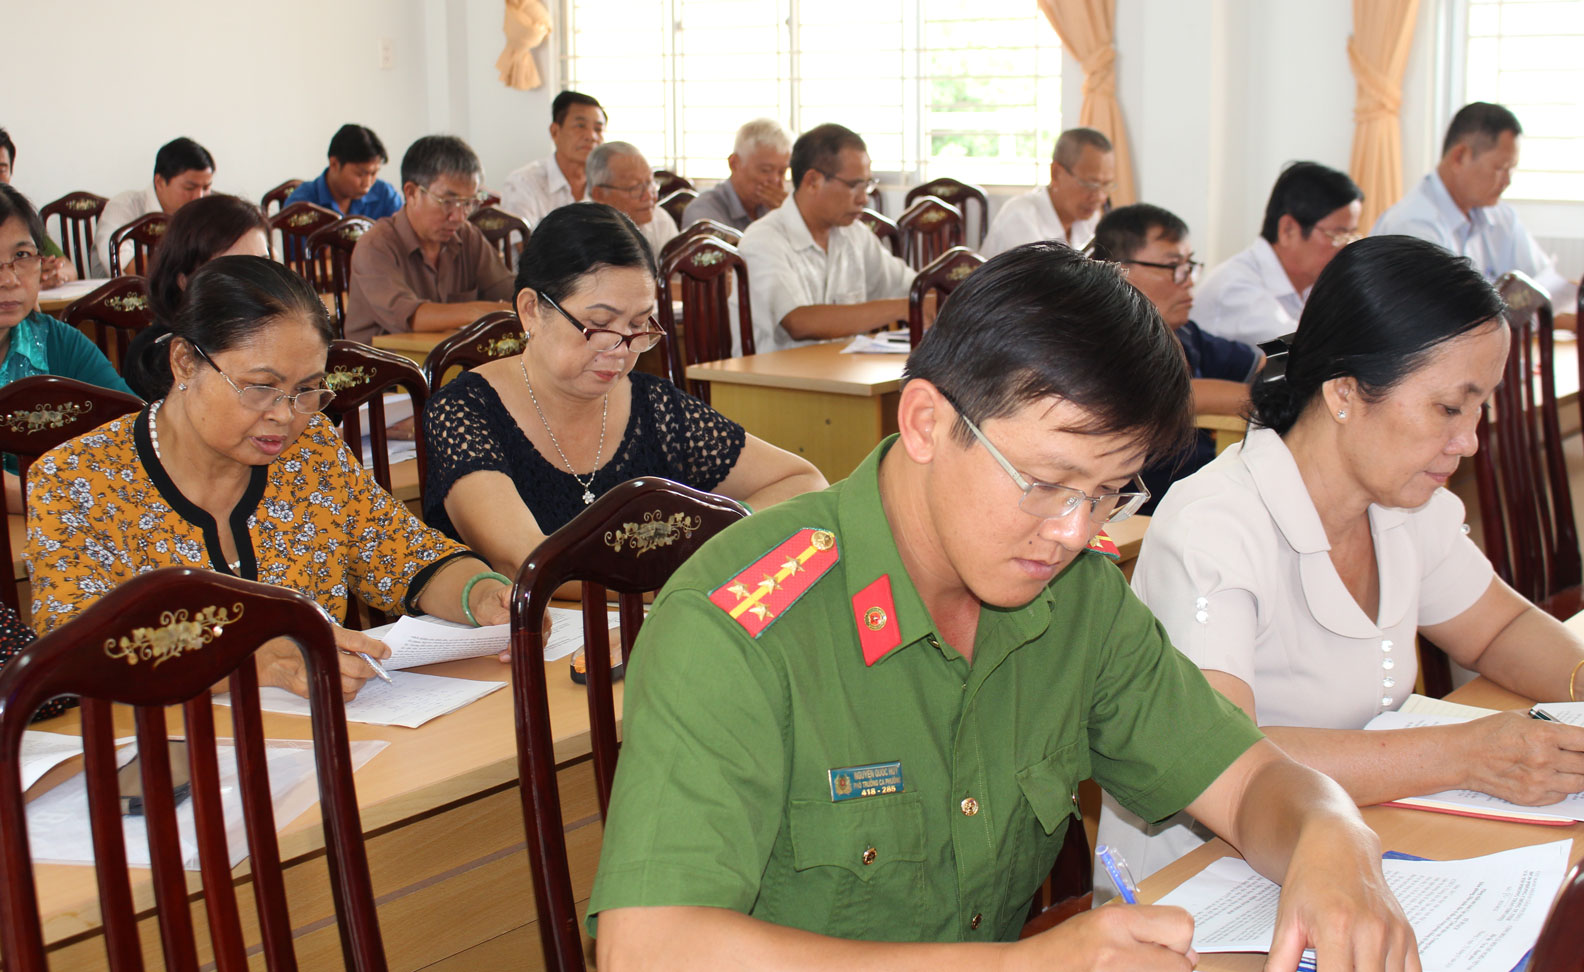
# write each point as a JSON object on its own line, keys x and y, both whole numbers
{"x": 577, "y": 128}
{"x": 1459, "y": 207}
{"x": 1083, "y": 174}
{"x": 813, "y": 272}
{"x": 1259, "y": 294}
{"x": 183, "y": 171}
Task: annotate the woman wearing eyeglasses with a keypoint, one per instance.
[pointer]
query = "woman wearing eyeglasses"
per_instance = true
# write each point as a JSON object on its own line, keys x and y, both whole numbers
{"x": 519, "y": 446}
{"x": 1298, "y": 567}
{"x": 234, "y": 469}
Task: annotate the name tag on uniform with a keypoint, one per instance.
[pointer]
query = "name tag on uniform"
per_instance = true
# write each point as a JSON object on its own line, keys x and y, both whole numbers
{"x": 851, "y": 782}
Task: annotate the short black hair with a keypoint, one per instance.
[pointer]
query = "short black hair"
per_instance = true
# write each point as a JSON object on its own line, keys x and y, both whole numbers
{"x": 433, "y": 156}
{"x": 1071, "y": 143}
{"x": 1378, "y": 309}
{"x": 1125, "y": 230}
{"x": 1481, "y": 123}
{"x": 9, "y": 146}
{"x": 574, "y": 241}
{"x": 355, "y": 145}
{"x": 1041, "y": 321}
{"x": 565, "y": 100}
{"x": 818, "y": 148}
{"x": 181, "y": 155}
{"x": 1308, "y": 192}
{"x": 14, "y": 204}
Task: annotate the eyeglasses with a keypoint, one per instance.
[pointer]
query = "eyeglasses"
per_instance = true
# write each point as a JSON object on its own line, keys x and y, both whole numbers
{"x": 865, "y": 186}
{"x": 602, "y": 340}
{"x": 650, "y": 188}
{"x": 1102, "y": 188}
{"x": 23, "y": 263}
{"x": 1049, "y": 501}
{"x": 466, "y": 205}
{"x": 1341, "y": 238}
{"x": 262, "y": 398}
{"x": 1181, "y": 272}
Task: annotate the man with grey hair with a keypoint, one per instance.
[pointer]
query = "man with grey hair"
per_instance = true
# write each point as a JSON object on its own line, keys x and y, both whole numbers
{"x": 427, "y": 268}
{"x": 757, "y": 183}
{"x": 619, "y": 176}
{"x": 1083, "y": 173}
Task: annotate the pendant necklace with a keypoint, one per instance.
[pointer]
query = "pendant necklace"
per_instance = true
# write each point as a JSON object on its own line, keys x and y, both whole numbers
{"x": 588, "y": 487}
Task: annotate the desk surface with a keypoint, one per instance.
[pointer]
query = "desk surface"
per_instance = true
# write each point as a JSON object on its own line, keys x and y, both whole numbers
{"x": 417, "y": 342}
{"x": 57, "y": 299}
{"x": 812, "y": 367}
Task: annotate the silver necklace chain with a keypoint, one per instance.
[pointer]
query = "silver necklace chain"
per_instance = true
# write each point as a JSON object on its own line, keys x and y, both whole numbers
{"x": 154, "y": 441}
{"x": 588, "y": 487}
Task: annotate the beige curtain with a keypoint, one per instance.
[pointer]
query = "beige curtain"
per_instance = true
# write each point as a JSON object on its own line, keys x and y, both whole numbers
{"x": 527, "y": 25}
{"x": 1378, "y": 49}
{"x": 1087, "y": 29}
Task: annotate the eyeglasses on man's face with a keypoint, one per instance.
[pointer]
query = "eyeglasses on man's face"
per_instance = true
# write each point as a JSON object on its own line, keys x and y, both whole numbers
{"x": 1340, "y": 238}
{"x": 1051, "y": 501}
{"x": 856, "y": 186}
{"x": 639, "y": 191}
{"x": 262, "y": 398}
{"x": 602, "y": 339}
{"x": 1181, "y": 272}
{"x": 1089, "y": 186}
{"x": 453, "y": 205}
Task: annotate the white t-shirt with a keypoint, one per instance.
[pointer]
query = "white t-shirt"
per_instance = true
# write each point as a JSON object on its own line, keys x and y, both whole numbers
{"x": 535, "y": 189}
{"x": 1030, "y": 217}
{"x": 1249, "y": 298}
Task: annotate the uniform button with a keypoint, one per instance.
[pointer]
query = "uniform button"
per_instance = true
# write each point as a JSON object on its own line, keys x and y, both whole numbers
{"x": 975, "y": 920}
{"x": 1074, "y": 798}
{"x": 869, "y": 856}
{"x": 970, "y": 806}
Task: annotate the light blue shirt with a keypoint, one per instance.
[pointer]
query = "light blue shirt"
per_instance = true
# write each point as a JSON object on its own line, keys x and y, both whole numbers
{"x": 1492, "y": 237}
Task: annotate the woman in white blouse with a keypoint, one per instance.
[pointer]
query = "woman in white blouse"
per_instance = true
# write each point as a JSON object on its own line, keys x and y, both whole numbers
{"x": 1296, "y": 569}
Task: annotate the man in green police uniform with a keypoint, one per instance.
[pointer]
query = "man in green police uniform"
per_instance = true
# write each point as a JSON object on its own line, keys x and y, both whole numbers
{"x": 861, "y": 716}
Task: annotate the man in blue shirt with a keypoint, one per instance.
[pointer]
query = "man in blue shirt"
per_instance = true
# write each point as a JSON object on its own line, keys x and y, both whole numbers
{"x": 1152, "y": 246}
{"x": 349, "y": 184}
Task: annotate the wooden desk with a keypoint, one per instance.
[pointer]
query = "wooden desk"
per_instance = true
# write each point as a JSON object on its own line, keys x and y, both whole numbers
{"x": 414, "y": 344}
{"x": 57, "y": 299}
{"x": 444, "y": 831}
{"x": 1439, "y": 836}
{"x": 1228, "y": 429}
{"x": 831, "y": 408}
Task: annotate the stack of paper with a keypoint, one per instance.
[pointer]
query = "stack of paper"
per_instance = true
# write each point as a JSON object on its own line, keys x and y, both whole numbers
{"x": 885, "y": 342}
{"x": 409, "y": 699}
{"x": 428, "y": 640}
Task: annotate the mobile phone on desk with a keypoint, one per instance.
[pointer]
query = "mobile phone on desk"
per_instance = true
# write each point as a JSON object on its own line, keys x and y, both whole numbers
{"x": 130, "y": 780}
{"x": 580, "y": 664}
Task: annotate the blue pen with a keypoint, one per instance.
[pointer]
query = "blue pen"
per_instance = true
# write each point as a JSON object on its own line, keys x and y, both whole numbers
{"x": 1120, "y": 875}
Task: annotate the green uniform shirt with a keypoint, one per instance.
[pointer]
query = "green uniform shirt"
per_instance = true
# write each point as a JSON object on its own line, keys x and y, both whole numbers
{"x": 724, "y": 795}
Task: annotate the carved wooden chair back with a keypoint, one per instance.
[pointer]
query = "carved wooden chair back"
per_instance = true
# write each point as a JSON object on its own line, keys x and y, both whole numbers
{"x": 112, "y": 315}
{"x": 497, "y": 334}
{"x": 699, "y": 227}
{"x": 330, "y": 257}
{"x": 499, "y": 226}
{"x": 877, "y": 200}
{"x": 676, "y": 203}
{"x": 929, "y": 227}
{"x": 162, "y": 639}
{"x": 704, "y": 270}
{"x": 670, "y": 182}
{"x": 1561, "y": 939}
{"x": 295, "y": 224}
{"x": 884, "y": 228}
{"x": 965, "y": 196}
{"x": 37, "y": 414}
{"x": 942, "y": 276}
{"x": 630, "y": 541}
{"x": 276, "y": 198}
{"x": 78, "y": 211}
{"x": 144, "y": 234}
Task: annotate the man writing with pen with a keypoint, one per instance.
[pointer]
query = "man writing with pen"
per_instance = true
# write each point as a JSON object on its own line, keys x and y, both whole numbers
{"x": 855, "y": 724}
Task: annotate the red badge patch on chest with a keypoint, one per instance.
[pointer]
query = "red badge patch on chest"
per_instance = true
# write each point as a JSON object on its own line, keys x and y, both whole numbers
{"x": 874, "y": 614}
{"x": 1104, "y": 544}
{"x": 774, "y": 582}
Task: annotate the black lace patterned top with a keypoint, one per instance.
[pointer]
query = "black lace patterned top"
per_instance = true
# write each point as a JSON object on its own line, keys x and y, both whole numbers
{"x": 669, "y": 433}
{"x": 14, "y": 636}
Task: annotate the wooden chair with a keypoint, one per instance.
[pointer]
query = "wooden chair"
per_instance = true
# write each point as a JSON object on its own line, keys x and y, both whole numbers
{"x": 78, "y": 211}
{"x": 277, "y": 197}
{"x": 144, "y": 233}
{"x": 330, "y": 255}
{"x": 1561, "y": 939}
{"x": 629, "y": 541}
{"x": 37, "y": 414}
{"x": 498, "y": 225}
{"x": 112, "y": 314}
{"x": 676, "y": 203}
{"x": 1069, "y": 890}
{"x": 162, "y": 639}
{"x": 704, "y": 269}
{"x": 497, "y": 334}
{"x": 877, "y": 200}
{"x": 699, "y": 227}
{"x": 295, "y": 224}
{"x": 489, "y": 199}
{"x": 884, "y": 228}
{"x": 1526, "y": 507}
{"x": 961, "y": 195}
{"x": 929, "y": 227}
{"x": 670, "y": 182}
{"x": 942, "y": 277}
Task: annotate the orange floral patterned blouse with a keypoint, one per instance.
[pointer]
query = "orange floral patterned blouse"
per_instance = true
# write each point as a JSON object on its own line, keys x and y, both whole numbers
{"x": 101, "y": 509}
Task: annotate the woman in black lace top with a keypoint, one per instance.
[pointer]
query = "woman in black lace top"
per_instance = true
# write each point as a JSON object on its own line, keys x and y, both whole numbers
{"x": 519, "y": 446}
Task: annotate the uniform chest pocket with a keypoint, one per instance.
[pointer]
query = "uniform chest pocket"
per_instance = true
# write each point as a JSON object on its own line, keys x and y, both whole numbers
{"x": 862, "y": 835}
{"x": 1036, "y": 832}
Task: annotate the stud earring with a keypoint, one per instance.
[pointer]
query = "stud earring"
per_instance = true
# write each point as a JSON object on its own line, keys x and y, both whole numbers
{"x": 181, "y": 386}
{"x": 1341, "y": 413}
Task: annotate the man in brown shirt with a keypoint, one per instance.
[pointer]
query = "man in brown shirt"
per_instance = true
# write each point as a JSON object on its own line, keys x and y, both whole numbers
{"x": 427, "y": 268}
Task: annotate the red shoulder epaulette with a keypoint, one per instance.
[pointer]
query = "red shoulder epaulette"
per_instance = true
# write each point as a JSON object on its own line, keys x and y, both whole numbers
{"x": 1105, "y": 545}
{"x": 767, "y": 587}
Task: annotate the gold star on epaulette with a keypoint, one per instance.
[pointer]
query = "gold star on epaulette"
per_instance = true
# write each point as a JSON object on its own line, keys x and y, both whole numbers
{"x": 761, "y": 612}
{"x": 768, "y": 583}
{"x": 792, "y": 566}
{"x": 738, "y": 589}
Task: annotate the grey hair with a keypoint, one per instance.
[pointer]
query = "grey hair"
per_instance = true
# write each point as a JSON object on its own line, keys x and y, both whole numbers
{"x": 433, "y": 156}
{"x": 598, "y": 166}
{"x": 1071, "y": 143}
{"x": 762, "y": 133}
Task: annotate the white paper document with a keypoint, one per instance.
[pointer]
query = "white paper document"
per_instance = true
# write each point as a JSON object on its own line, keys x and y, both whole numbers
{"x": 427, "y": 640}
{"x": 43, "y": 751}
{"x": 409, "y": 699}
{"x": 1571, "y": 713}
{"x": 566, "y": 632}
{"x": 1476, "y": 915}
{"x": 885, "y": 342}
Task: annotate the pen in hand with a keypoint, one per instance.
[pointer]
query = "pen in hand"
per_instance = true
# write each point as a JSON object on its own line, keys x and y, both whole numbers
{"x": 1117, "y": 868}
{"x": 379, "y": 670}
